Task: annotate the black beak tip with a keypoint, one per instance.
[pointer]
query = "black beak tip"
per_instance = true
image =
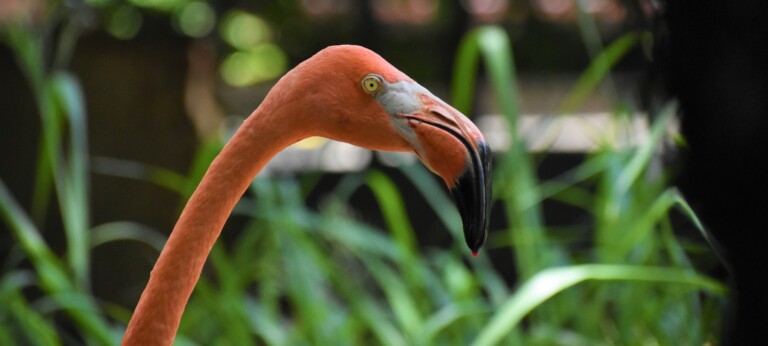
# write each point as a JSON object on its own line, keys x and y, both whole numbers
{"x": 472, "y": 194}
{"x": 475, "y": 239}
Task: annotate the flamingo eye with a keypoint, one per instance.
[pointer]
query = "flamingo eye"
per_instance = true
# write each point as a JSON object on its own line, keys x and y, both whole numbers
{"x": 371, "y": 84}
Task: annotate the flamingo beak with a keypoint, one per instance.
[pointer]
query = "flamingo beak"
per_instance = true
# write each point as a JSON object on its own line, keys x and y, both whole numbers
{"x": 453, "y": 147}
{"x": 472, "y": 195}
{"x": 449, "y": 144}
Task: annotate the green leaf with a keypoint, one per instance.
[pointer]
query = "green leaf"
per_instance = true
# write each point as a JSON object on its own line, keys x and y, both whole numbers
{"x": 127, "y": 230}
{"x": 597, "y": 70}
{"x": 552, "y": 281}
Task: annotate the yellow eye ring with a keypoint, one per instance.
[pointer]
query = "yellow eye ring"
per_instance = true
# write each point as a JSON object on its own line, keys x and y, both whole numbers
{"x": 371, "y": 84}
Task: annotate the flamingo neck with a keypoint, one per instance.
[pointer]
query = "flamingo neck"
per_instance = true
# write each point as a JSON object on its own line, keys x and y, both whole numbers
{"x": 158, "y": 313}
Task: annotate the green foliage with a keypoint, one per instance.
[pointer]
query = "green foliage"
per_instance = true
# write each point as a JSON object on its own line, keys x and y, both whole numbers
{"x": 300, "y": 276}
{"x": 64, "y": 281}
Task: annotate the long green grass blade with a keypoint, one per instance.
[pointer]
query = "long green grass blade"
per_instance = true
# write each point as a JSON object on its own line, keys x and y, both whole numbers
{"x": 514, "y": 179}
{"x": 640, "y": 161}
{"x": 140, "y": 171}
{"x": 444, "y": 318}
{"x": 402, "y": 302}
{"x": 393, "y": 209}
{"x": 41, "y": 196}
{"x": 73, "y": 194}
{"x": 49, "y": 268}
{"x": 127, "y": 231}
{"x": 550, "y": 282}
{"x": 53, "y": 277}
{"x": 26, "y": 325}
{"x": 597, "y": 71}
{"x": 492, "y": 44}
{"x": 59, "y": 98}
{"x": 713, "y": 243}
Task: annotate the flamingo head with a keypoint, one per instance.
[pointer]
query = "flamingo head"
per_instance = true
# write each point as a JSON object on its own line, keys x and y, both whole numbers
{"x": 356, "y": 96}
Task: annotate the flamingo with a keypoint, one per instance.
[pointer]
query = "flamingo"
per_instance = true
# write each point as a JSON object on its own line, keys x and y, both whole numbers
{"x": 346, "y": 93}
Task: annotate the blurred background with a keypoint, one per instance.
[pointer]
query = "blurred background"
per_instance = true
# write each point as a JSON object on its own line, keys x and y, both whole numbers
{"x": 112, "y": 110}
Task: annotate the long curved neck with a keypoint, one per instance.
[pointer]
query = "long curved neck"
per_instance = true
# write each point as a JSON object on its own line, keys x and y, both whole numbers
{"x": 178, "y": 268}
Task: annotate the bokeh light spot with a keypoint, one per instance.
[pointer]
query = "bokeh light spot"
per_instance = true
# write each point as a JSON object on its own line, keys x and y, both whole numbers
{"x": 195, "y": 19}
{"x": 124, "y": 22}
{"x": 244, "y": 30}
{"x": 247, "y": 67}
